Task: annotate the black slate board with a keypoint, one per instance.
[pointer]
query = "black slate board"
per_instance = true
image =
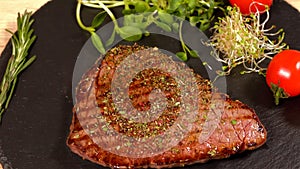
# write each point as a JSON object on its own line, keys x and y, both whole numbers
{"x": 35, "y": 127}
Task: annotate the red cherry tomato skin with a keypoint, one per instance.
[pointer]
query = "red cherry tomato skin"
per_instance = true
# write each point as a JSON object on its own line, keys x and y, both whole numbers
{"x": 244, "y": 5}
{"x": 284, "y": 71}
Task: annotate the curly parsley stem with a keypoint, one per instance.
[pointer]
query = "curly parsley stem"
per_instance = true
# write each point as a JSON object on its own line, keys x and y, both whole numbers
{"x": 181, "y": 38}
{"x": 111, "y": 15}
{"x": 82, "y": 26}
{"x": 99, "y": 5}
{"x": 95, "y": 4}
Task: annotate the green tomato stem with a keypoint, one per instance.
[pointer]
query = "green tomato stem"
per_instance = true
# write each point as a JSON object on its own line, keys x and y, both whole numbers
{"x": 278, "y": 93}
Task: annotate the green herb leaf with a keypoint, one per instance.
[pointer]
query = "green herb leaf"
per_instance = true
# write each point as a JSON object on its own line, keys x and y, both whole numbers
{"x": 182, "y": 56}
{"x": 174, "y": 4}
{"x": 111, "y": 39}
{"x": 192, "y": 3}
{"x": 28, "y": 63}
{"x": 141, "y": 26}
{"x": 204, "y": 25}
{"x": 194, "y": 53}
{"x": 141, "y": 6}
{"x": 97, "y": 42}
{"x": 194, "y": 20}
{"x": 212, "y": 152}
{"x": 127, "y": 12}
{"x": 165, "y": 17}
{"x": 138, "y": 18}
{"x": 128, "y": 19}
{"x": 98, "y": 19}
{"x": 160, "y": 12}
{"x": 135, "y": 20}
{"x": 224, "y": 68}
{"x": 175, "y": 26}
{"x": 130, "y": 33}
{"x": 233, "y": 122}
{"x": 151, "y": 9}
{"x": 21, "y": 41}
{"x": 182, "y": 10}
{"x": 147, "y": 33}
{"x": 163, "y": 26}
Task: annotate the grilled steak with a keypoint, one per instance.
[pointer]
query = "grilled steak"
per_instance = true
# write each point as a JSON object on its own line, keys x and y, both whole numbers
{"x": 238, "y": 128}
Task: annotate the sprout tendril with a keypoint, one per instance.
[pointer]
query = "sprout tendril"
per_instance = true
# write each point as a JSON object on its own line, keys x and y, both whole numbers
{"x": 244, "y": 40}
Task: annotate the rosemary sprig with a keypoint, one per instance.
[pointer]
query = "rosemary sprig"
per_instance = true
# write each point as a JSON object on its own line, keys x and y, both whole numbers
{"x": 21, "y": 42}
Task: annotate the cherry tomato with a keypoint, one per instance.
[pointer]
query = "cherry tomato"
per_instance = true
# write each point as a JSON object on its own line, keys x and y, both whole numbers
{"x": 244, "y": 5}
{"x": 283, "y": 74}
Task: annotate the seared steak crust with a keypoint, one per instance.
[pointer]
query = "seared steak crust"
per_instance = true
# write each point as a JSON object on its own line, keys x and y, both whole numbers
{"x": 239, "y": 128}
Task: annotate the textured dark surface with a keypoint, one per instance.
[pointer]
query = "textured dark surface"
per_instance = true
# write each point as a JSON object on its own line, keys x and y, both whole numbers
{"x": 36, "y": 125}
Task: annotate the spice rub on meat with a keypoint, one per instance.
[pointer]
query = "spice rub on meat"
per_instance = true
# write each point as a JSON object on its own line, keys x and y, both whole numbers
{"x": 238, "y": 129}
